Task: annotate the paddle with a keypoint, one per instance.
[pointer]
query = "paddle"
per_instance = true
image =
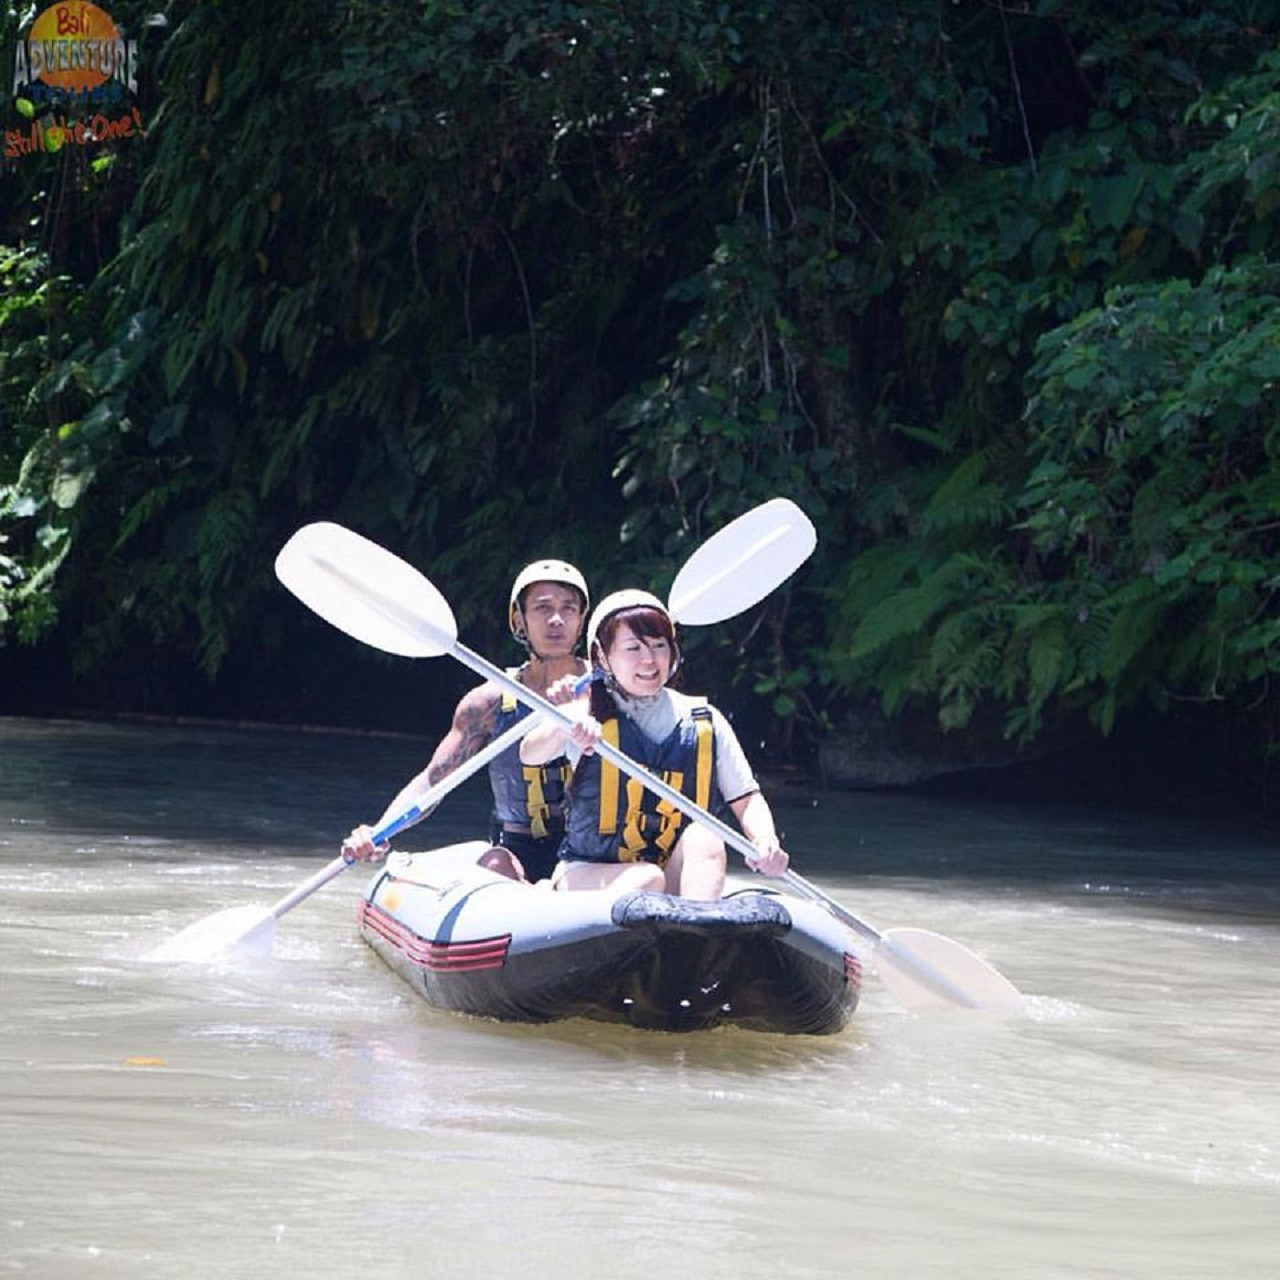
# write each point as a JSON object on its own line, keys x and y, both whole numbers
{"x": 361, "y": 588}
{"x": 926, "y": 971}
{"x": 254, "y": 928}
{"x": 771, "y": 541}
{"x": 375, "y": 597}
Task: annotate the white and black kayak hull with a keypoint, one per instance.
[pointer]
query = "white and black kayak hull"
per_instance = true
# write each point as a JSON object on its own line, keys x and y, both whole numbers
{"x": 473, "y": 941}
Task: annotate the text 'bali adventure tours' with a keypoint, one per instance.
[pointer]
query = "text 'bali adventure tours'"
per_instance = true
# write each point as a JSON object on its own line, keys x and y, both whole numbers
{"x": 73, "y": 73}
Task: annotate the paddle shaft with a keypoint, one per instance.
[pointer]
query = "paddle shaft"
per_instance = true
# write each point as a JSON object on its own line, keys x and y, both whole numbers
{"x": 772, "y": 540}
{"x": 442, "y": 634}
{"x": 414, "y": 814}
{"x": 445, "y": 638}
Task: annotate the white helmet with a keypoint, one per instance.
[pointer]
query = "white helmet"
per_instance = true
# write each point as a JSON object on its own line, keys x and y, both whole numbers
{"x": 615, "y": 602}
{"x": 543, "y": 571}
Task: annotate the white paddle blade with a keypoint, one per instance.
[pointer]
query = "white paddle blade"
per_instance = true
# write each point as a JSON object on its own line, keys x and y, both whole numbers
{"x": 929, "y": 973}
{"x": 244, "y": 929}
{"x": 364, "y": 590}
{"x": 743, "y": 563}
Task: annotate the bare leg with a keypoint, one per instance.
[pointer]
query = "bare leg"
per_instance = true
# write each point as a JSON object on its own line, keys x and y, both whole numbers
{"x": 697, "y": 865}
{"x": 617, "y": 877}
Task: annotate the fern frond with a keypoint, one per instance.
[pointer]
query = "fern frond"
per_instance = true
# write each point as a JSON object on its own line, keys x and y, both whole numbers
{"x": 906, "y": 611}
{"x": 1049, "y": 663}
{"x": 963, "y": 499}
{"x": 228, "y": 527}
{"x": 1134, "y": 628}
{"x": 153, "y": 503}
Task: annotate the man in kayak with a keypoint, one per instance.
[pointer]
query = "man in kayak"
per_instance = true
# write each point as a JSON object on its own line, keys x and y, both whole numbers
{"x": 622, "y": 836}
{"x": 548, "y": 606}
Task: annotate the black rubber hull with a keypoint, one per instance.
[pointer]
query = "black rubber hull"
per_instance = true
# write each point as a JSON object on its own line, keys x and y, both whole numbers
{"x": 755, "y": 960}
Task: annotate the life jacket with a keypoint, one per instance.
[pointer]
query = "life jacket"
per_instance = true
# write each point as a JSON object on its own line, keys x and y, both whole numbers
{"x": 530, "y": 795}
{"x": 628, "y": 822}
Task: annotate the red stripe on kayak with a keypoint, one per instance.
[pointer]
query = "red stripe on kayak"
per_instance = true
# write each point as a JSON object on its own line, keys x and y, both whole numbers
{"x": 852, "y": 970}
{"x": 431, "y": 956}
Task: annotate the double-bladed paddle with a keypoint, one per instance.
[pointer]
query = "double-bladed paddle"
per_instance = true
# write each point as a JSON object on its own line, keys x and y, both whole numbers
{"x": 375, "y": 597}
{"x": 346, "y": 579}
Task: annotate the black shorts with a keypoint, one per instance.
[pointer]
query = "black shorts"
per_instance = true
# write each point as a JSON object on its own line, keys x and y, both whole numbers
{"x": 537, "y": 854}
{"x": 654, "y": 856}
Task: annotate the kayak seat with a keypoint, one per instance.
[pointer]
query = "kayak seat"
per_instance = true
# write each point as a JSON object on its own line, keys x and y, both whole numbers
{"x": 743, "y": 913}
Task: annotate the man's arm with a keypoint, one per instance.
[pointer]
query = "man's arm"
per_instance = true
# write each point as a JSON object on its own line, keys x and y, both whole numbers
{"x": 474, "y": 720}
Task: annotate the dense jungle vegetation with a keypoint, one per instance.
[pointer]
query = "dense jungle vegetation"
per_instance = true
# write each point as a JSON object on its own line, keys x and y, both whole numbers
{"x": 989, "y": 288}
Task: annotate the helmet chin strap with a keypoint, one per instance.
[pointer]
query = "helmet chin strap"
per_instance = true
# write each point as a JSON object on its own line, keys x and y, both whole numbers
{"x": 521, "y": 633}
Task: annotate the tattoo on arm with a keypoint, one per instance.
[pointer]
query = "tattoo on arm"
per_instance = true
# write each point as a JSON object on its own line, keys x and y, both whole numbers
{"x": 472, "y": 730}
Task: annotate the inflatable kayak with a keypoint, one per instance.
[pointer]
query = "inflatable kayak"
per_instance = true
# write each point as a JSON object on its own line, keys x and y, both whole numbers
{"x": 471, "y": 940}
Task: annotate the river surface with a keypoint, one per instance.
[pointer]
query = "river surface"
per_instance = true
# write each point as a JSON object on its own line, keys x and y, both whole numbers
{"x": 303, "y": 1114}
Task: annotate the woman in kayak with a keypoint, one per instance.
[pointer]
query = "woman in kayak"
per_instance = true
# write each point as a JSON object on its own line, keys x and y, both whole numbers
{"x": 619, "y": 834}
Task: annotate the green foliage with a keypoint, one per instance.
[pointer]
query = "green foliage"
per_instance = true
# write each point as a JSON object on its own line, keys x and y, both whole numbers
{"x": 62, "y": 399}
{"x": 988, "y": 290}
{"x": 1124, "y": 544}
{"x": 380, "y": 291}
{"x": 1152, "y": 557}
{"x": 1154, "y": 429}
{"x": 47, "y": 455}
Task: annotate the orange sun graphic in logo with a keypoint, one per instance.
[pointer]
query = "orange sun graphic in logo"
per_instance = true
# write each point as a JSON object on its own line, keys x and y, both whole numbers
{"x": 79, "y": 42}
